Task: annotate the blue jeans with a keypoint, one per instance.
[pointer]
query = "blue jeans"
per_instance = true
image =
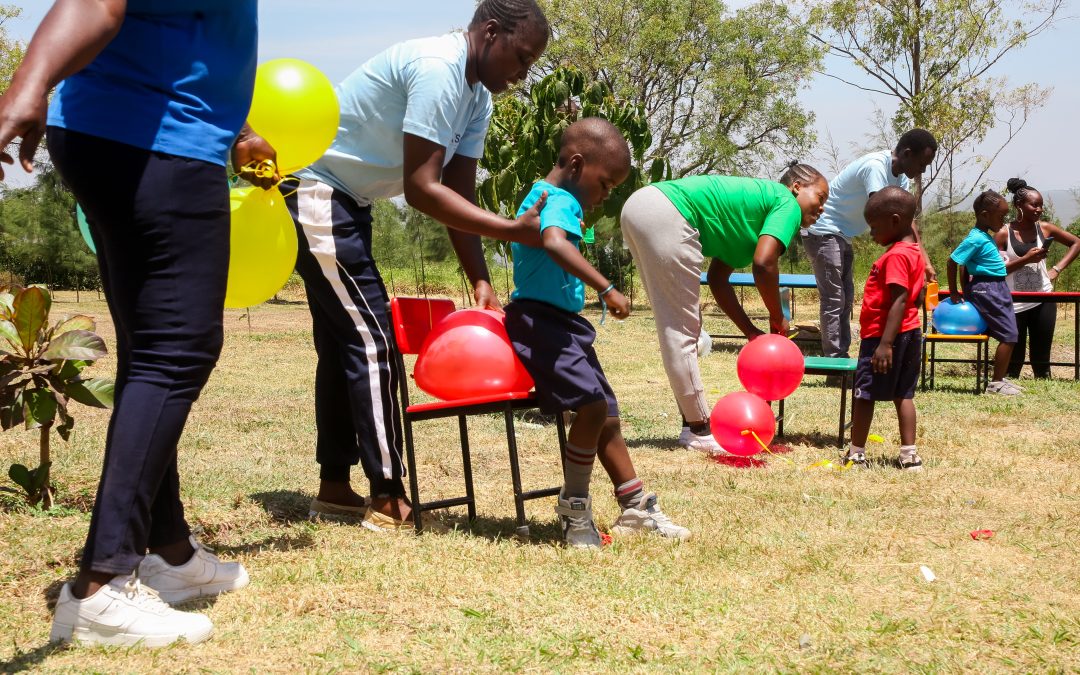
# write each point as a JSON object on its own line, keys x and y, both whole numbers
{"x": 161, "y": 227}
{"x": 833, "y": 260}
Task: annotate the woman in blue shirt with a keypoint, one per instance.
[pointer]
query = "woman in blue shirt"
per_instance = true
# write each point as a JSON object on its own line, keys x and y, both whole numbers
{"x": 155, "y": 92}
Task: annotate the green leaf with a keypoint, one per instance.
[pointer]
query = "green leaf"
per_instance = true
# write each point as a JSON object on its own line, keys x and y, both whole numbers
{"x": 22, "y": 477}
{"x": 69, "y": 370}
{"x": 96, "y": 393}
{"x": 77, "y": 322}
{"x": 39, "y": 408}
{"x": 31, "y": 311}
{"x": 76, "y": 344}
{"x": 9, "y": 337}
{"x": 11, "y": 410}
{"x": 6, "y": 306}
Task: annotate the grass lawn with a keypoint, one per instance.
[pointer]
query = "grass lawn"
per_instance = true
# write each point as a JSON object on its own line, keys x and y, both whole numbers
{"x": 791, "y": 568}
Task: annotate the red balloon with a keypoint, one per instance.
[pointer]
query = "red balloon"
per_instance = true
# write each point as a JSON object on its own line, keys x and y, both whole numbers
{"x": 741, "y": 412}
{"x": 468, "y": 354}
{"x": 770, "y": 366}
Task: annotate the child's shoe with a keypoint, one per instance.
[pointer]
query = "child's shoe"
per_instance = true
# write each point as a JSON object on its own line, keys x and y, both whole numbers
{"x": 1003, "y": 388}
{"x": 910, "y": 461}
{"x": 703, "y": 442}
{"x": 856, "y": 458}
{"x": 203, "y": 575}
{"x": 645, "y": 516}
{"x": 579, "y": 530}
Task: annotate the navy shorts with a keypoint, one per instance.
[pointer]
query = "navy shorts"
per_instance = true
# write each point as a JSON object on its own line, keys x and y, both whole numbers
{"x": 556, "y": 347}
{"x": 992, "y": 297}
{"x": 901, "y": 379}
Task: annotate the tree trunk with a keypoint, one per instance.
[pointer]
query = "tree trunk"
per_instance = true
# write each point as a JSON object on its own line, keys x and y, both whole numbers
{"x": 45, "y": 466}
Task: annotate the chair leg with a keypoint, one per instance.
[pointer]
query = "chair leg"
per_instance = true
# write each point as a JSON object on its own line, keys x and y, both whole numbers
{"x": 843, "y": 409}
{"x": 933, "y": 355}
{"x": 922, "y": 375}
{"x": 466, "y": 465}
{"x": 515, "y": 472}
{"x": 414, "y": 485}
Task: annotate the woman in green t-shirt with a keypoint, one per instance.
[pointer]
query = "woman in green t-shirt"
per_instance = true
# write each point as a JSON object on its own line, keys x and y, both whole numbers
{"x": 672, "y": 226}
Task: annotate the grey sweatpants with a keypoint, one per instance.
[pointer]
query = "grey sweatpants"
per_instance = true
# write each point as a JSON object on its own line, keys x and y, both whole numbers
{"x": 667, "y": 251}
{"x": 833, "y": 258}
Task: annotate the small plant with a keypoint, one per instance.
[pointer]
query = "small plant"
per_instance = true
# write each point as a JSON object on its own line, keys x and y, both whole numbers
{"x": 40, "y": 373}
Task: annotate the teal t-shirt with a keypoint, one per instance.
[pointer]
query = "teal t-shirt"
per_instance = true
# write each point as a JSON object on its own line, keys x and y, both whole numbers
{"x": 731, "y": 213}
{"x": 536, "y": 275}
{"x": 979, "y": 254}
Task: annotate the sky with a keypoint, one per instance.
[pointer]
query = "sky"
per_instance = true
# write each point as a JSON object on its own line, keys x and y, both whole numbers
{"x": 339, "y": 35}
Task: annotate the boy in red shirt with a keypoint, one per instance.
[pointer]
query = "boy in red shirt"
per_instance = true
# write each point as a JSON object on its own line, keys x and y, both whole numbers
{"x": 888, "y": 368}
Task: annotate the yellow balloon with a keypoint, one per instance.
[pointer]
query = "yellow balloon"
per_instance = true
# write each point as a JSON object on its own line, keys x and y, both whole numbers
{"x": 262, "y": 251}
{"x": 295, "y": 109}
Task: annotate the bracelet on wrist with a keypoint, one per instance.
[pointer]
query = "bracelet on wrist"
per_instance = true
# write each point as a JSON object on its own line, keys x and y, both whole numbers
{"x": 607, "y": 290}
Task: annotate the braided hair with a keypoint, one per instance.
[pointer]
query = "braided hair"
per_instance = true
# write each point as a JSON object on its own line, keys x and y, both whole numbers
{"x": 1019, "y": 188}
{"x": 511, "y": 13}
{"x": 987, "y": 199}
{"x": 798, "y": 172}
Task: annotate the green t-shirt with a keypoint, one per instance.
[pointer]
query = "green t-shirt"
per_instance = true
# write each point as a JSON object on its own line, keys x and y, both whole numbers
{"x": 730, "y": 213}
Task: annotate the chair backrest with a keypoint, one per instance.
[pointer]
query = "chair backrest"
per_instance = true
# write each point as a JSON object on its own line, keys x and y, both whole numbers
{"x": 414, "y": 318}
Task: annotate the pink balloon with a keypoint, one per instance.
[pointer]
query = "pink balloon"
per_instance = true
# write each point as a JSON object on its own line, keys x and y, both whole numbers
{"x": 770, "y": 366}
{"x": 740, "y": 412}
{"x": 468, "y": 354}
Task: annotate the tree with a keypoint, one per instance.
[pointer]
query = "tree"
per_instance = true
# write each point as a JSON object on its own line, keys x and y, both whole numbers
{"x": 718, "y": 89}
{"x": 11, "y": 51}
{"x": 933, "y": 58}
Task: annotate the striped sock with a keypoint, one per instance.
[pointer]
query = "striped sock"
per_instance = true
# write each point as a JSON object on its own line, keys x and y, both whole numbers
{"x": 629, "y": 492}
{"x": 577, "y": 470}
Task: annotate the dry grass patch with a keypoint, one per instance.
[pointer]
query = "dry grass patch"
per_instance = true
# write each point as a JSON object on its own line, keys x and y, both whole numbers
{"x": 790, "y": 568}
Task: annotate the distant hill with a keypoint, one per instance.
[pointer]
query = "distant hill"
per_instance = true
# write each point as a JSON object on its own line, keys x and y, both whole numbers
{"x": 1065, "y": 204}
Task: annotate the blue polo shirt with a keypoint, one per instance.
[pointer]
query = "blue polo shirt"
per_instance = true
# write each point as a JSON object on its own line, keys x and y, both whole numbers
{"x": 176, "y": 79}
{"x": 979, "y": 254}
{"x": 536, "y": 275}
{"x": 849, "y": 192}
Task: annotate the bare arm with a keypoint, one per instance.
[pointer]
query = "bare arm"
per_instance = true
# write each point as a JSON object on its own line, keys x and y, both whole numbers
{"x": 69, "y": 37}
{"x": 956, "y": 293}
{"x": 567, "y": 256}
{"x": 1067, "y": 238}
{"x": 460, "y": 176}
{"x": 881, "y": 361}
{"x": 720, "y": 285}
{"x": 424, "y": 191}
{"x": 767, "y": 279}
{"x": 931, "y": 273}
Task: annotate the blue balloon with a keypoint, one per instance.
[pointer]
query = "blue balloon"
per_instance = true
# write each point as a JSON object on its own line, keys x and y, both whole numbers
{"x": 961, "y": 319}
{"x": 84, "y": 229}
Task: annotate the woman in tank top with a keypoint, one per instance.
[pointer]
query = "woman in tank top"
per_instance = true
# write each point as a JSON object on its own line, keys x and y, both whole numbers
{"x": 1025, "y": 247}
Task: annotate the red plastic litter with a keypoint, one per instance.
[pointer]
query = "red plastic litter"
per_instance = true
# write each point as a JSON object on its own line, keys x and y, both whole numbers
{"x": 605, "y": 539}
{"x": 982, "y": 535}
{"x": 739, "y": 462}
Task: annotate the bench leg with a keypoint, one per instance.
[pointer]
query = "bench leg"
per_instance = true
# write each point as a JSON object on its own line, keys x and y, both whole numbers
{"x": 843, "y": 409}
{"x": 515, "y": 472}
{"x": 466, "y": 465}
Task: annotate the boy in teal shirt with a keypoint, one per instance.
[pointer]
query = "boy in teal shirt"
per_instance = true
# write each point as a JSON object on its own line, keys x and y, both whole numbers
{"x": 555, "y": 343}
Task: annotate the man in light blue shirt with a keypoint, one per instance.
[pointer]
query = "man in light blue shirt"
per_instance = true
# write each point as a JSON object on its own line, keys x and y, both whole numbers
{"x": 828, "y": 241}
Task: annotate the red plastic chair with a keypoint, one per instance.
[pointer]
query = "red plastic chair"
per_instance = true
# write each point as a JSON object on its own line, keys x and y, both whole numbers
{"x": 413, "y": 319}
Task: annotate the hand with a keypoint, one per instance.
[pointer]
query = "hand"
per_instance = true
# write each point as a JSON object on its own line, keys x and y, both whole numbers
{"x": 247, "y": 152}
{"x": 485, "y": 296}
{"x": 1034, "y": 255}
{"x": 780, "y": 328}
{"x": 956, "y": 297}
{"x": 1053, "y": 274}
{"x": 22, "y": 114}
{"x": 882, "y": 358}
{"x": 931, "y": 273}
{"x": 528, "y": 223}
{"x": 617, "y": 305}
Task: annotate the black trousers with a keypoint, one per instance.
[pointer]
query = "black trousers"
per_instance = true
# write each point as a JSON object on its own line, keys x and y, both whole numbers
{"x": 1035, "y": 326}
{"x": 357, "y": 410}
{"x": 161, "y": 227}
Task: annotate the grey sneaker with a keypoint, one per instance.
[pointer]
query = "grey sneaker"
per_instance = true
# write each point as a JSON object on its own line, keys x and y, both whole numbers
{"x": 646, "y": 516}
{"x": 579, "y": 530}
{"x": 911, "y": 462}
{"x": 1018, "y": 387}
{"x": 1003, "y": 388}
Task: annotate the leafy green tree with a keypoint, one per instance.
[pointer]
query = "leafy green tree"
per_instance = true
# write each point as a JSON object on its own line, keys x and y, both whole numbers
{"x": 11, "y": 51}
{"x": 934, "y": 58}
{"x": 718, "y": 89}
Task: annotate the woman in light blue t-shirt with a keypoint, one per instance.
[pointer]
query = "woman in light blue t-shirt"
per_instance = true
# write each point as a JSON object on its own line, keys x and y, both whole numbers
{"x": 413, "y": 122}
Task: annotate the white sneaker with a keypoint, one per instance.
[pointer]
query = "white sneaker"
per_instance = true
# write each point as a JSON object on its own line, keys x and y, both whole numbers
{"x": 703, "y": 442}
{"x": 579, "y": 530}
{"x": 646, "y": 516}
{"x": 1018, "y": 387}
{"x": 125, "y": 613}
{"x": 203, "y": 575}
{"x": 1003, "y": 388}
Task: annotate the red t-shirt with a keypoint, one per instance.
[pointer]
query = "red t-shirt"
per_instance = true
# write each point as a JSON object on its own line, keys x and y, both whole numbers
{"x": 902, "y": 264}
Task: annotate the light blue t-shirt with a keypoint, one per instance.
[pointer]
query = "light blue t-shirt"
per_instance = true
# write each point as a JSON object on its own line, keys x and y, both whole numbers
{"x": 536, "y": 275}
{"x": 176, "y": 79}
{"x": 849, "y": 191}
{"x": 979, "y": 254}
{"x": 416, "y": 87}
